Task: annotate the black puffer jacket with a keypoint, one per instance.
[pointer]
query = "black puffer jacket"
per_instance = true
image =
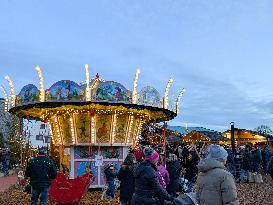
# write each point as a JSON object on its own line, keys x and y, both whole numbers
{"x": 174, "y": 169}
{"x": 41, "y": 171}
{"x": 127, "y": 185}
{"x": 147, "y": 187}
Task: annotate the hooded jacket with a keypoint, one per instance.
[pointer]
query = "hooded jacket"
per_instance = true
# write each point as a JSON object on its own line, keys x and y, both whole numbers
{"x": 41, "y": 171}
{"x": 127, "y": 185}
{"x": 174, "y": 168}
{"x": 215, "y": 185}
{"x": 147, "y": 187}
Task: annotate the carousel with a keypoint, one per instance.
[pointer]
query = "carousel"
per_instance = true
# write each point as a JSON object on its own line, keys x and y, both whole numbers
{"x": 92, "y": 123}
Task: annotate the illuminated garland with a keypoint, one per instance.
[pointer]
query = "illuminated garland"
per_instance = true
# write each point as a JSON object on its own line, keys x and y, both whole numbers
{"x": 166, "y": 95}
{"x": 93, "y": 140}
{"x": 6, "y": 98}
{"x": 178, "y": 100}
{"x": 72, "y": 130}
{"x": 12, "y": 91}
{"x": 134, "y": 93}
{"x": 42, "y": 88}
{"x": 131, "y": 120}
{"x": 138, "y": 133}
{"x": 57, "y": 129}
{"x": 114, "y": 128}
{"x": 87, "y": 90}
{"x": 51, "y": 133}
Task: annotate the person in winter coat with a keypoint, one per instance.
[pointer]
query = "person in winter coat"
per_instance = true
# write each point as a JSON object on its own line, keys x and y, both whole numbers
{"x": 162, "y": 174}
{"x": 147, "y": 187}
{"x": 245, "y": 163}
{"x": 126, "y": 177}
{"x": 110, "y": 175}
{"x": 215, "y": 185}
{"x": 256, "y": 159}
{"x": 270, "y": 167}
{"x": 174, "y": 168}
{"x": 41, "y": 171}
{"x": 266, "y": 157}
{"x": 190, "y": 169}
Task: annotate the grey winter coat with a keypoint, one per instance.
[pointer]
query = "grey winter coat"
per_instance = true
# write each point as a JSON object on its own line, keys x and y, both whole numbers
{"x": 215, "y": 185}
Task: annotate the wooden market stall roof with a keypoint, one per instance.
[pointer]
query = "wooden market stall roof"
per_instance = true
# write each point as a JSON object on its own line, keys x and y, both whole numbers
{"x": 195, "y": 134}
{"x": 246, "y": 136}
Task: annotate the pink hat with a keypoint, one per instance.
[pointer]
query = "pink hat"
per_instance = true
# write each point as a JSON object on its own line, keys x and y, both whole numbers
{"x": 150, "y": 154}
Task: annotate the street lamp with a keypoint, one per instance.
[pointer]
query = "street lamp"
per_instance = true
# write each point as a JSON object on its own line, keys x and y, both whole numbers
{"x": 232, "y": 130}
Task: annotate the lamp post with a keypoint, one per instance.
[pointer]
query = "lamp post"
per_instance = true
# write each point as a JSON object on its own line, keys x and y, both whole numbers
{"x": 165, "y": 141}
{"x": 232, "y": 130}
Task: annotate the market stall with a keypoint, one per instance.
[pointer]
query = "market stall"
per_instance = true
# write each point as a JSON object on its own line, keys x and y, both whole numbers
{"x": 243, "y": 136}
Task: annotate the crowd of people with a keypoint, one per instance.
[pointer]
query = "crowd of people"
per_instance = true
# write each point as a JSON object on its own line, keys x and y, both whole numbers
{"x": 209, "y": 171}
{"x": 151, "y": 176}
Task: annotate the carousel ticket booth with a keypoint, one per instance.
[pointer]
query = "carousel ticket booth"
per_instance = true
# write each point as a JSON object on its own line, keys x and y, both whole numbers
{"x": 93, "y": 123}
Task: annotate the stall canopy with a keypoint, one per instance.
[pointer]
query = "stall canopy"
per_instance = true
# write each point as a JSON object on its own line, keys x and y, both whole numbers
{"x": 200, "y": 134}
{"x": 246, "y": 136}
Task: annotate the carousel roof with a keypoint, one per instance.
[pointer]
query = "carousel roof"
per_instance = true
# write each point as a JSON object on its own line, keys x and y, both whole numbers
{"x": 34, "y": 103}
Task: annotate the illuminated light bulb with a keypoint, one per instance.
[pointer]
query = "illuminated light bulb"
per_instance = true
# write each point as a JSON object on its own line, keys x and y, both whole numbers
{"x": 114, "y": 128}
{"x": 42, "y": 88}
{"x": 93, "y": 140}
{"x": 12, "y": 91}
{"x": 134, "y": 93}
{"x": 87, "y": 90}
{"x": 72, "y": 130}
{"x": 166, "y": 95}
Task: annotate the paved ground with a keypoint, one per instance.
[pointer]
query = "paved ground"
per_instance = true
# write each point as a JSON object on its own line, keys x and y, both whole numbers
{"x": 6, "y": 182}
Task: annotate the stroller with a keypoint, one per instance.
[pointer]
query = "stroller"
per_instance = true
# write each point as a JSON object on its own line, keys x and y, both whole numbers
{"x": 186, "y": 199}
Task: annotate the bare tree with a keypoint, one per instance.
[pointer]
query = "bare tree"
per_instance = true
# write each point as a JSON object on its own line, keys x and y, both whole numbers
{"x": 265, "y": 131}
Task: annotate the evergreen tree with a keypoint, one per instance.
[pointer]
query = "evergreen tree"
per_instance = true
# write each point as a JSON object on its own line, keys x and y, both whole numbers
{"x": 2, "y": 140}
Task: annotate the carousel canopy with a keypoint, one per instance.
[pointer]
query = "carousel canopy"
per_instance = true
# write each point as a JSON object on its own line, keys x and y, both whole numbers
{"x": 92, "y": 112}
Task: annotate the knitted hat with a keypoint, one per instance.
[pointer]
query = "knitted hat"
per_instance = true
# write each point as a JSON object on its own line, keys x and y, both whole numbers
{"x": 150, "y": 154}
{"x": 130, "y": 159}
{"x": 217, "y": 152}
{"x": 138, "y": 154}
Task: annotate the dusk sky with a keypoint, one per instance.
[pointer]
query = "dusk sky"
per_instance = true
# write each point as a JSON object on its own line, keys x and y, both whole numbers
{"x": 220, "y": 51}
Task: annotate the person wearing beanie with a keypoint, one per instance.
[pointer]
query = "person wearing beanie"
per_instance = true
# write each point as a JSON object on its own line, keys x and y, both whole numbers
{"x": 174, "y": 168}
{"x": 138, "y": 155}
{"x": 147, "y": 187}
{"x": 41, "y": 171}
{"x": 215, "y": 185}
{"x": 126, "y": 178}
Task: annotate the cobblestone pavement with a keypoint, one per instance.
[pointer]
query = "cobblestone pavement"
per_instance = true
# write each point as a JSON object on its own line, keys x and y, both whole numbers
{"x": 8, "y": 181}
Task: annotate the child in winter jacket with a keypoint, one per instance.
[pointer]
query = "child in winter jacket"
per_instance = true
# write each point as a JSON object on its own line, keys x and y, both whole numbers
{"x": 110, "y": 174}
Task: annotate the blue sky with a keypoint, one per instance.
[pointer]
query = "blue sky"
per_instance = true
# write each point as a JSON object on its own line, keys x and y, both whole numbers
{"x": 220, "y": 51}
